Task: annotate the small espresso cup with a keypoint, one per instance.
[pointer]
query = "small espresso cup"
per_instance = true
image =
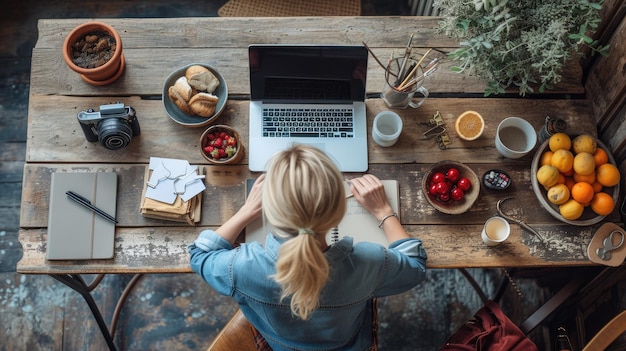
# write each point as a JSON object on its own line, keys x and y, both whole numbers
{"x": 400, "y": 90}
{"x": 515, "y": 137}
{"x": 386, "y": 128}
{"x": 495, "y": 231}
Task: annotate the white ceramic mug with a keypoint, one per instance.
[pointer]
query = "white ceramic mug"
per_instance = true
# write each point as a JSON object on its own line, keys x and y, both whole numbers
{"x": 515, "y": 137}
{"x": 386, "y": 128}
{"x": 495, "y": 231}
{"x": 405, "y": 97}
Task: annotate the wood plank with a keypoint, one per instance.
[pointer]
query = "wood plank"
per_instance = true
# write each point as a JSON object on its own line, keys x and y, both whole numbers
{"x": 448, "y": 246}
{"x": 58, "y": 141}
{"x": 452, "y": 241}
{"x": 209, "y": 40}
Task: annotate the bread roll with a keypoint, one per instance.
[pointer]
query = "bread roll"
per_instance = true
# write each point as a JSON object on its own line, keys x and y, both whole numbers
{"x": 183, "y": 88}
{"x": 179, "y": 100}
{"x": 201, "y": 78}
{"x": 203, "y": 104}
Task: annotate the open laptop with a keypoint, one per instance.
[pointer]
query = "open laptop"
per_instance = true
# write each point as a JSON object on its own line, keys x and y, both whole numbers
{"x": 308, "y": 94}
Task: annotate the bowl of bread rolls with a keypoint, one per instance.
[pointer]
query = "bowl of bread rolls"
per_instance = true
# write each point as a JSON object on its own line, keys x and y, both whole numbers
{"x": 194, "y": 95}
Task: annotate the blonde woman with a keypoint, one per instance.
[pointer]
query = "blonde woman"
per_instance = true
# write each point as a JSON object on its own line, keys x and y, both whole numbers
{"x": 297, "y": 291}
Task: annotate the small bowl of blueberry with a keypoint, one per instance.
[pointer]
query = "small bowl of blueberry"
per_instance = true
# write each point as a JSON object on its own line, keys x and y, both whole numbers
{"x": 496, "y": 179}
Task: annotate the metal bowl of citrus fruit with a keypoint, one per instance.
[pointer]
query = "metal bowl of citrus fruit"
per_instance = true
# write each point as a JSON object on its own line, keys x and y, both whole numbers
{"x": 575, "y": 178}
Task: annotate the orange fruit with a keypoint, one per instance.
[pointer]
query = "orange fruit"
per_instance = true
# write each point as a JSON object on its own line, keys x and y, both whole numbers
{"x": 469, "y": 125}
{"x": 558, "y": 194}
{"x": 547, "y": 175}
{"x": 560, "y": 141}
{"x": 590, "y": 178}
{"x": 602, "y": 204}
{"x": 607, "y": 175}
{"x": 560, "y": 179}
{"x": 584, "y": 143}
{"x": 582, "y": 192}
{"x": 600, "y": 157}
{"x": 546, "y": 158}
{"x": 597, "y": 187}
{"x": 563, "y": 160}
{"x": 584, "y": 164}
{"x": 571, "y": 210}
{"x": 569, "y": 181}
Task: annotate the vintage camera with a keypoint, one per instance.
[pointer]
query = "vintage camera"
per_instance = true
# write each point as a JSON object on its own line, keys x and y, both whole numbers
{"x": 113, "y": 126}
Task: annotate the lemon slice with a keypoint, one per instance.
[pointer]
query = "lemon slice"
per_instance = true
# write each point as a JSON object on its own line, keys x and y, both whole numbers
{"x": 469, "y": 125}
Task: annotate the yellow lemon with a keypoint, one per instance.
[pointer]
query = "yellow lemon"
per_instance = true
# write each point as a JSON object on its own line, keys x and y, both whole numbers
{"x": 558, "y": 194}
{"x": 560, "y": 141}
{"x": 563, "y": 160}
{"x": 584, "y": 164}
{"x": 584, "y": 143}
{"x": 547, "y": 175}
{"x": 571, "y": 210}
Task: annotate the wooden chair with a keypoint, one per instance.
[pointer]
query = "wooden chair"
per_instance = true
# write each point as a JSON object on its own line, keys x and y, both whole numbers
{"x": 236, "y": 335}
{"x": 607, "y": 334}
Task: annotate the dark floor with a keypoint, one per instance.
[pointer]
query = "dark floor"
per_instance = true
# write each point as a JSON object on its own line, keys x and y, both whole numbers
{"x": 167, "y": 312}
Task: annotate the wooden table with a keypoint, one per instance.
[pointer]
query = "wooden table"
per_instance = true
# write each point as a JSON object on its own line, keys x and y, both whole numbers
{"x": 155, "y": 47}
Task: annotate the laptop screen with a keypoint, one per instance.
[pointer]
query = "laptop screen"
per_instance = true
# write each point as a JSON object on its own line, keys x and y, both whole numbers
{"x": 307, "y": 74}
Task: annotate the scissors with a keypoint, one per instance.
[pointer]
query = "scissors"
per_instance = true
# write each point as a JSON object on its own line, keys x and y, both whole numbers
{"x": 604, "y": 252}
{"x": 515, "y": 220}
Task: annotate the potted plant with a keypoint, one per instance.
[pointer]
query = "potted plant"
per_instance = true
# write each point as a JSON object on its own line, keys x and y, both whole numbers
{"x": 521, "y": 43}
{"x": 94, "y": 50}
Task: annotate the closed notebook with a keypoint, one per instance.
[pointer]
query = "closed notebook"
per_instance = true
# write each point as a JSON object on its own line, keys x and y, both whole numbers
{"x": 356, "y": 223}
{"x": 74, "y": 231}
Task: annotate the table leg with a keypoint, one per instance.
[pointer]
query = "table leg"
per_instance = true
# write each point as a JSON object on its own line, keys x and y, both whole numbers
{"x": 76, "y": 282}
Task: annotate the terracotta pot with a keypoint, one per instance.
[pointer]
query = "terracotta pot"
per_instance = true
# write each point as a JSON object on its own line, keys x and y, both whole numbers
{"x": 104, "y": 74}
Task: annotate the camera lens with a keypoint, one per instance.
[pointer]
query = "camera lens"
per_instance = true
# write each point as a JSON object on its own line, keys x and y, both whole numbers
{"x": 114, "y": 133}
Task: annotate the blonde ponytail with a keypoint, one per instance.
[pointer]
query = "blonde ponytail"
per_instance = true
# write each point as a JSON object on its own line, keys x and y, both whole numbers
{"x": 303, "y": 198}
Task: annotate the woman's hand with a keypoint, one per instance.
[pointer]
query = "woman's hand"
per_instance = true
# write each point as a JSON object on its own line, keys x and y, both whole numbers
{"x": 369, "y": 191}
{"x": 250, "y": 211}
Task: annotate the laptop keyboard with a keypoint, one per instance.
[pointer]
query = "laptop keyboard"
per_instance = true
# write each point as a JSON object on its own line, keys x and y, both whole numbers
{"x": 308, "y": 122}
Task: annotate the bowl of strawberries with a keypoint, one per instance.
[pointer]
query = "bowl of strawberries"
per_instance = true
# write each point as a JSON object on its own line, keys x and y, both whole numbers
{"x": 221, "y": 144}
{"x": 451, "y": 187}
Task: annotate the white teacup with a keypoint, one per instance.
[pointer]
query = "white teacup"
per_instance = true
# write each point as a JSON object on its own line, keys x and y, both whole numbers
{"x": 386, "y": 128}
{"x": 495, "y": 231}
{"x": 515, "y": 137}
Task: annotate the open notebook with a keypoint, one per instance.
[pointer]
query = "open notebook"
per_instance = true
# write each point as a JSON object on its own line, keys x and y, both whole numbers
{"x": 357, "y": 222}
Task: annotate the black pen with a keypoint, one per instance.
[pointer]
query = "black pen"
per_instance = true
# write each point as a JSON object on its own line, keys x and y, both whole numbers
{"x": 82, "y": 201}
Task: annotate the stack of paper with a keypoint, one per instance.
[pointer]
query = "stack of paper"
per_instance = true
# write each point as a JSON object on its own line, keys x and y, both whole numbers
{"x": 173, "y": 190}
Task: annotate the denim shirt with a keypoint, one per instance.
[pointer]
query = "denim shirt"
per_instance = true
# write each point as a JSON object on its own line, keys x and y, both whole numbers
{"x": 343, "y": 319}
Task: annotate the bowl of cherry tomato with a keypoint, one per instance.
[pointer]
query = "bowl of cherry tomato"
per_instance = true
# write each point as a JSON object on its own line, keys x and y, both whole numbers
{"x": 221, "y": 144}
{"x": 451, "y": 187}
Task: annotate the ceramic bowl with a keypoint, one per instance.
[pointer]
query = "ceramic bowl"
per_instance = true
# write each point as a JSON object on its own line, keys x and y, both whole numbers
{"x": 452, "y": 207}
{"x": 184, "y": 119}
{"x": 588, "y": 217}
{"x": 205, "y": 140}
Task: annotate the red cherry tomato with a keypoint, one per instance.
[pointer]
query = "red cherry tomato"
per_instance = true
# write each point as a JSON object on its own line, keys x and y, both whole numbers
{"x": 453, "y": 175}
{"x": 442, "y": 188}
{"x": 464, "y": 183}
{"x": 432, "y": 190}
{"x": 444, "y": 197}
{"x": 457, "y": 194}
{"x": 438, "y": 177}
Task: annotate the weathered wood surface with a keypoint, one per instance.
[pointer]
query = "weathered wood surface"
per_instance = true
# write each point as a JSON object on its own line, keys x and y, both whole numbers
{"x": 56, "y": 142}
{"x": 155, "y": 47}
{"x": 149, "y": 245}
{"x": 54, "y": 134}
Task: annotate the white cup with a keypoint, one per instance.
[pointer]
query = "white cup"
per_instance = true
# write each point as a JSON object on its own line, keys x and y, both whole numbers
{"x": 515, "y": 137}
{"x": 495, "y": 231}
{"x": 386, "y": 128}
